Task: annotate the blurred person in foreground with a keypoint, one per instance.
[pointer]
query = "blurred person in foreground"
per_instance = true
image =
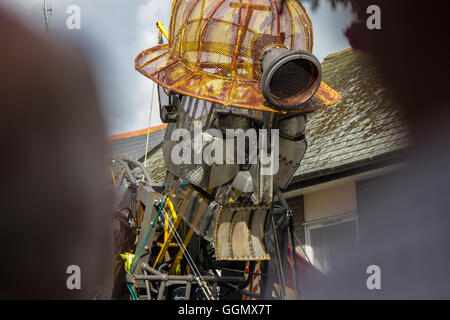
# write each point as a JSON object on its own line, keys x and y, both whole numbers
{"x": 408, "y": 237}
{"x": 52, "y": 196}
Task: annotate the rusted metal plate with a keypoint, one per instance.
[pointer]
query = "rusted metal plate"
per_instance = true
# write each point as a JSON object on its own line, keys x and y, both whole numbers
{"x": 240, "y": 234}
{"x": 237, "y": 232}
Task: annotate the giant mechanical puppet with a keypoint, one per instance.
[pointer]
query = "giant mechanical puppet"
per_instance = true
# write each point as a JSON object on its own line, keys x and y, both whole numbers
{"x": 214, "y": 229}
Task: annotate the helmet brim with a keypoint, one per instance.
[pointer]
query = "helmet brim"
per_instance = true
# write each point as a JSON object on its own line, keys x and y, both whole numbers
{"x": 176, "y": 76}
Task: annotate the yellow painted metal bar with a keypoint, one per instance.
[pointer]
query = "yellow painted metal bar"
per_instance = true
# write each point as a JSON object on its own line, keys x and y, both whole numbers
{"x": 168, "y": 235}
{"x": 113, "y": 176}
{"x": 171, "y": 245}
{"x": 179, "y": 255}
{"x": 186, "y": 241}
{"x": 162, "y": 30}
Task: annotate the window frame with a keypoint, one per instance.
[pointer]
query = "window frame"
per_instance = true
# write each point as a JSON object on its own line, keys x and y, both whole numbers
{"x": 326, "y": 222}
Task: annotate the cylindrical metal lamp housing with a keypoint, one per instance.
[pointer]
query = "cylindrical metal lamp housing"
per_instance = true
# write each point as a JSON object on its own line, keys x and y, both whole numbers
{"x": 290, "y": 78}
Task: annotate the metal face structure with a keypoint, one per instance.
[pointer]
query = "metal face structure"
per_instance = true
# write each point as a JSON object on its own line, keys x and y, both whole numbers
{"x": 236, "y": 197}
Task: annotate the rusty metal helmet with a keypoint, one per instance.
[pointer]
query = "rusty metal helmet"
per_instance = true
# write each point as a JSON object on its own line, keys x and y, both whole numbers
{"x": 216, "y": 50}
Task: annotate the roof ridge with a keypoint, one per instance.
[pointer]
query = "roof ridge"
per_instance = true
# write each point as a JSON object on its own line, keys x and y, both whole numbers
{"x": 136, "y": 133}
{"x": 332, "y": 55}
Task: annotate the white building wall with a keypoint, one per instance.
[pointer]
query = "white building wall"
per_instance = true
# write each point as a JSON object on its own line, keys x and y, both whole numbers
{"x": 333, "y": 201}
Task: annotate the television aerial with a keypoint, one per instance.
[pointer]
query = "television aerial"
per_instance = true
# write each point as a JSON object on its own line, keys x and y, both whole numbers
{"x": 48, "y": 10}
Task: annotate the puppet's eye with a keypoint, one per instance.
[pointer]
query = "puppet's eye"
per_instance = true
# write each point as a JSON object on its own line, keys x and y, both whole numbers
{"x": 232, "y": 122}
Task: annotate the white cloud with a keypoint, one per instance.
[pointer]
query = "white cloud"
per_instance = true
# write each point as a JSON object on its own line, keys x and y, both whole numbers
{"x": 147, "y": 15}
{"x": 147, "y": 36}
{"x": 329, "y": 25}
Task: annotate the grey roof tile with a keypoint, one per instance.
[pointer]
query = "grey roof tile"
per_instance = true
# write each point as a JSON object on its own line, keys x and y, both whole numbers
{"x": 364, "y": 125}
{"x": 134, "y": 147}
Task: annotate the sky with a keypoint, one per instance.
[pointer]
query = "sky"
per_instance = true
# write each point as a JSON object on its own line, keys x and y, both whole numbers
{"x": 114, "y": 32}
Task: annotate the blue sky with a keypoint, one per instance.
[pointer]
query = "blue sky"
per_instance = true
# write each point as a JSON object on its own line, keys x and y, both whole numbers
{"x": 113, "y": 32}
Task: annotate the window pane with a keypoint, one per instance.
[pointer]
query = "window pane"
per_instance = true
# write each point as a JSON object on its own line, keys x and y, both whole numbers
{"x": 332, "y": 243}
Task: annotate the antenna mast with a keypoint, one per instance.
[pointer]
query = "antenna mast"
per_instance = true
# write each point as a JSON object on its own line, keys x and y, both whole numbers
{"x": 47, "y": 10}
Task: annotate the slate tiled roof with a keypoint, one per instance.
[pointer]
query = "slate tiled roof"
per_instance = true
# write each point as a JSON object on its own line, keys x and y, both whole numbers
{"x": 133, "y": 145}
{"x": 155, "y": 166}
{"x": 366, "y": 124}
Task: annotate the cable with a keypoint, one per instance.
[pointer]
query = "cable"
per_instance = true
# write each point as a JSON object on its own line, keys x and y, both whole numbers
{"x": 133, "y": 293}
{"x": 189, "y": 259}
{"x": 149, "y": 124}
{"x": 139, "y": 253}
{"x": 301, "y": 246}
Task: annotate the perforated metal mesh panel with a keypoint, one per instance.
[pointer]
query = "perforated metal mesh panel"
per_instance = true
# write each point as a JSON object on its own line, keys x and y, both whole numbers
{"x": 304, "y": 80}
{"x": 215, "y": 48}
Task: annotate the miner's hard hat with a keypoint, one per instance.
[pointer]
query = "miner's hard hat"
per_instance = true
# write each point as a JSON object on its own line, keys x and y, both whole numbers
{"x": 241, "y": 53}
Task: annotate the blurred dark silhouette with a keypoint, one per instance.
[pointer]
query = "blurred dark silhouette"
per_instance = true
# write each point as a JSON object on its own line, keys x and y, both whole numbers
{"x": 52, "y": 195}
{"x": 408, "y": 235}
